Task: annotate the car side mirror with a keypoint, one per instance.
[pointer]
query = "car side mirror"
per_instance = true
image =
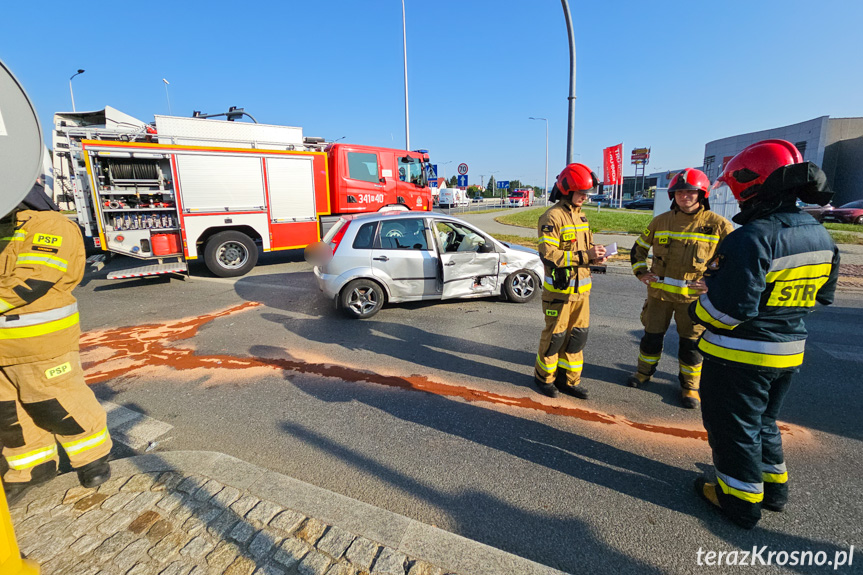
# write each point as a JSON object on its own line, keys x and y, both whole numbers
{"x": 382, "y": 180}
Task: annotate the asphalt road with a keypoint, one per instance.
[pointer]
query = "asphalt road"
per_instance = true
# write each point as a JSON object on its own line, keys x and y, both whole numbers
{"x": 428, "y": 410}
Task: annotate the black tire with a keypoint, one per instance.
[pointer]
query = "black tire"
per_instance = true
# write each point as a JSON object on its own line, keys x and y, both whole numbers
{"x": 361, "y": 299}
{"x": 230, "y": 254}
{"x": 521, "y": 286}
{"x": 859, "y": 220}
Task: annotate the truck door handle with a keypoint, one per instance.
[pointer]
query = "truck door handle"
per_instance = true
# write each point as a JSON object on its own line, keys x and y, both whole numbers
{"x": 382, "y": 259}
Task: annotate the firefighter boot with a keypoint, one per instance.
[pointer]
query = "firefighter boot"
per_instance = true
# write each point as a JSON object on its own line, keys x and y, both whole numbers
{"x": 575, "y": 389}
{"x": 94, "y": 473}
{"x": 708, "y": 492}
{"x": 689, "y": 397}
{"x": 775, "y": 496}
{"x": 545, "y": 388}
{"x": 42, "y": 473}
{"x": 637, "y": 379}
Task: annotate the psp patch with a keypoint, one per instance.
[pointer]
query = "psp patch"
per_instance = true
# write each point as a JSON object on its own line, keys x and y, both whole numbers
{"x": 48, "y": 240}
{"x": 551, "y": 312}
{"x": 58, "y": 371}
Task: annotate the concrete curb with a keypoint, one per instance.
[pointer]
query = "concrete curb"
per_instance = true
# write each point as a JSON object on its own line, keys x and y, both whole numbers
{"x": 450, "y": 552}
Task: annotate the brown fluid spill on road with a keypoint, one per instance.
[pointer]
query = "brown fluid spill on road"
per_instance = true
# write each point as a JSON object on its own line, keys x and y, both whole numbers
{"x": 150, "y": 351}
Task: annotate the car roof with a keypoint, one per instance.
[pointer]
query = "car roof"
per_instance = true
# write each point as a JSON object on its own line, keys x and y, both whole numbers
{"x": 400, "y": 214}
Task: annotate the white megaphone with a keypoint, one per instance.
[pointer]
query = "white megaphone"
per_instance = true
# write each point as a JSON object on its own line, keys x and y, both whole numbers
{"x": 21, "y": 145}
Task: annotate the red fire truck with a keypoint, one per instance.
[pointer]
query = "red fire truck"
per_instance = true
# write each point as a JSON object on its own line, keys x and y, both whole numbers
{"x": 190, "y": 188}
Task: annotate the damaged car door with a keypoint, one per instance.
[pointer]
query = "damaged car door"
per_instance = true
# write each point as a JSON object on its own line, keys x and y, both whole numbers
{"x": 469, "y": 265}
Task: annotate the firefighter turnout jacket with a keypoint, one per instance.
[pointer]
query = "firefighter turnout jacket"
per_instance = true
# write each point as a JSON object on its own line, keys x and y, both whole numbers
{"x": 43, "y": 396}
{"x": 765, "y": 278}
{"x": 682, "y": 245}
{"x": 564, "y": 240}
{"x": 42, "y": 260}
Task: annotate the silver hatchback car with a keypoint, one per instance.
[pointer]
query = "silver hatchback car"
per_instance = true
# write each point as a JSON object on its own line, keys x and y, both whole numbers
{"x": 369, "y": 259}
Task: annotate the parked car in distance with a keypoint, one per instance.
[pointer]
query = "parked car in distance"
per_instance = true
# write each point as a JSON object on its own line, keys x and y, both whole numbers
{"x": 639, "y": 204}
{"x": 850, "y": 213}
{"x": 367, "y": 260}
{"x": 815, "y": 210}
{"x": 600, "y": 199}
{"x": 477, "y": 199}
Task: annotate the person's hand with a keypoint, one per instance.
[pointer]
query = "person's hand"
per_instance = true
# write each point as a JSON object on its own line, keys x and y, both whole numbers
{"x": 647, "y": 278}
{"x": 698, "y": 285}
{"x": 597, "y": 253}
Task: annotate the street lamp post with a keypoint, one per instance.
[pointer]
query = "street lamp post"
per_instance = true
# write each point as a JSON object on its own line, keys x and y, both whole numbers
{"x": 545, "y": 190}
{"x": 405, "y": 44}
{"x": 71, "y": 93}
{"x": 570, "y": 130}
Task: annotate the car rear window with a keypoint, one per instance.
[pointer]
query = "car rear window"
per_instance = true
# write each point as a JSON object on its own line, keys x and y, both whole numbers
{"x": 365, "y": 239}
{"x": 857, "y": 204}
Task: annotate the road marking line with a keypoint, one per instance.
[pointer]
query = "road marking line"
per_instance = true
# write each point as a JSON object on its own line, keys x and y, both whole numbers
{"x": 133, "y": 428}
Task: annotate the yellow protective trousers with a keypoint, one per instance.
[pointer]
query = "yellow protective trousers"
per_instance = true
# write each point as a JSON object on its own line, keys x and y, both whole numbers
{"x": 656, "y": 318}
{"x": 563, "y": 339}
{"x": 43, "y": 403}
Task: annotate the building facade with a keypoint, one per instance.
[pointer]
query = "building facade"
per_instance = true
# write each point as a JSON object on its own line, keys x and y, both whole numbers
{"x": 835, "y": 144}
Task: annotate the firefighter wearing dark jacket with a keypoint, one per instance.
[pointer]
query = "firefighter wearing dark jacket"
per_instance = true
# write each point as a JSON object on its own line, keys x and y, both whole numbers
{"x": 765, "y": 278}
{"x": 43, "y": 398}
{"x": 683, "y": 240}
{"x": 567, "y": 251}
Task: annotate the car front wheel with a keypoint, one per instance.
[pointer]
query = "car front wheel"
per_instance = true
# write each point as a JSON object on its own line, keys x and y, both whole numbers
{"x": 521, "y": 287}
{"x": 859, "y": 220}
{"x": 361, "y": 299}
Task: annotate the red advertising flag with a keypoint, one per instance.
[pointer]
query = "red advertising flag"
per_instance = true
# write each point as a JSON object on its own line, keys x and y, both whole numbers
{"x": 613, "y": 160}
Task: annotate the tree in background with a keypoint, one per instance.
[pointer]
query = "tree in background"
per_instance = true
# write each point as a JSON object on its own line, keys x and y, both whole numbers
{"x": 453, "y": 182}
{"x": 490, "y": 188}
{"x": 474, "y": 191}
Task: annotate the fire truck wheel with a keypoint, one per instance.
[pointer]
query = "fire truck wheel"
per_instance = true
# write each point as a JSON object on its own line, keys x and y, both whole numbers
{"x": 361, "y": 299}
{"x": 521, "y": 286}
{"x": 230, "y": 254}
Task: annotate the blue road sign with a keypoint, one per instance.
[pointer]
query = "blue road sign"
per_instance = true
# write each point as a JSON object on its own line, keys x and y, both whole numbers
{"x": 503, "y": 185}
{"x": 462, "y": 181}
{"x": 432, "y": 172}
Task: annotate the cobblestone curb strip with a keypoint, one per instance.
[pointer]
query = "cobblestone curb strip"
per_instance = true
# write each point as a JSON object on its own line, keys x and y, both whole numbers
{"x": 203, "y": 513}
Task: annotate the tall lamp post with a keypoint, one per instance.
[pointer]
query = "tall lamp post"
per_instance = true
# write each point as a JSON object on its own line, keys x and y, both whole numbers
{"x": 405, "y": 44}
{"x": 545, "y": 190}
{"x": 570, "y": 131}
{"x": 71, "y": 93}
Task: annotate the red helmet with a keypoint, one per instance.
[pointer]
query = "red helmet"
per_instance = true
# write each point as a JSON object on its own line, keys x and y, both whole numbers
{"x": 576, "y": 177}
{"x": 689, "y": 179}
{"x": 754, "y": 164}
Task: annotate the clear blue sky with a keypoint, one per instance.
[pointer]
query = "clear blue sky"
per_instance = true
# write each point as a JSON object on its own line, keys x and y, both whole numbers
{"x": 672, "y": 75}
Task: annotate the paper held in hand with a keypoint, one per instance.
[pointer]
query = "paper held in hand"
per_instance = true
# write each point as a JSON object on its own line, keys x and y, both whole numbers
{"x": 610, "y": 250}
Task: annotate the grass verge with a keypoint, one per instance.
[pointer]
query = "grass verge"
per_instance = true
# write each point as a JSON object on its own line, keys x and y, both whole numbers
{"x": 604, "y": 220}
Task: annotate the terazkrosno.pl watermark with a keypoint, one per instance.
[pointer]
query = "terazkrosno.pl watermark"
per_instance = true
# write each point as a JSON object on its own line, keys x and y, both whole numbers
{"x": 764, "y": 556}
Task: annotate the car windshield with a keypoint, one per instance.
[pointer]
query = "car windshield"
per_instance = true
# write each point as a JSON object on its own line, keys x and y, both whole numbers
{"x": 854, "y": 205}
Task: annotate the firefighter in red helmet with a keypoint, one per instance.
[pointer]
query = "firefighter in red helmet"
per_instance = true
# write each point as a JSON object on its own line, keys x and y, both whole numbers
{"x": 683, "y": 239}
{"x": 567, "y": 251}
{"x": 765, "y": 278}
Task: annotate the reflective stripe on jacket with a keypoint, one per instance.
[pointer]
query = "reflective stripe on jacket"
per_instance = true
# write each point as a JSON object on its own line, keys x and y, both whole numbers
{"x": 766, "y": 277}
{"x": 564, "y": 239}
{"x": 682, "y": 245}
{"x": 41, "y": 260}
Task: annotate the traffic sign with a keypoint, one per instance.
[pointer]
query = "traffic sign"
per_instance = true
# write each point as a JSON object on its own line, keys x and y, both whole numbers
{"x": 462, "y": 180}
{"x": 462, "y": 168}
{"x": 432, "y": 172}
{"x": 503, "y": 185}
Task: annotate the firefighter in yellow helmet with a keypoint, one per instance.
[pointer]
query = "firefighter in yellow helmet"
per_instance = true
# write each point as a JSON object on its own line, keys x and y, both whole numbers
{"x": 567, "y": 251}
{"x": 683, "y": 240}
{"x": 43, "y": 397}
